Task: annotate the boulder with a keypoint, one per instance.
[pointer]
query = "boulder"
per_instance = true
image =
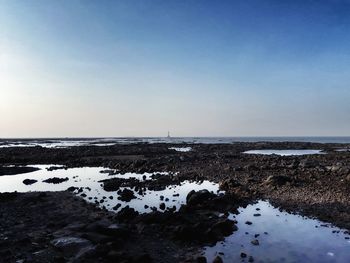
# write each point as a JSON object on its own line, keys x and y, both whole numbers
{"x": 194, "y": 198}
{"x": 126, "y": 195}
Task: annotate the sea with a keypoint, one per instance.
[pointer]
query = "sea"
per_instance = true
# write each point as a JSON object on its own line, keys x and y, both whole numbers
{"x": 68, "y": 142}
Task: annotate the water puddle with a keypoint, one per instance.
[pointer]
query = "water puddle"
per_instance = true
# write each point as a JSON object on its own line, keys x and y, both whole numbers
{"x": 88, "y": 178}
{"x": 266, "y": 234}
{"x": 181, "y": 149}
{"x": 284, "y": 152}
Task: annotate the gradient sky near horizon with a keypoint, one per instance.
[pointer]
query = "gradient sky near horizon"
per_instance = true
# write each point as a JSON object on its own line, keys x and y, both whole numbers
{"x": 196, "y": 68}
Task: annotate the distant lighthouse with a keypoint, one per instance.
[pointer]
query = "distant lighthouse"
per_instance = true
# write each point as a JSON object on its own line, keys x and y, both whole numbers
{"x": 168, "y": 134}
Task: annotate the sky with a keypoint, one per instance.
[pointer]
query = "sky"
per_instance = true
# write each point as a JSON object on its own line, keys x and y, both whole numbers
{"x": 88, "y": 68}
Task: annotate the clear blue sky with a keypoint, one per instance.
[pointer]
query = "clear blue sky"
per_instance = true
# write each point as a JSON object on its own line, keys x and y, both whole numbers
{"x": 196, "y": 68}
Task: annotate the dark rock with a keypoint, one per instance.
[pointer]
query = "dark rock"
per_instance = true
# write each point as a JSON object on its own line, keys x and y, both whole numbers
{"x": 127, "y": 213}
{"x": 226, "y": 227}
{"x": 71, "y": 246}
{"x": 126, "y": 195}
{"x": 277, "y": 180}
{"x": 162, "y": 206}
{"x": 201, "y": 259}
{"x": 255, "y": 242}
{"x": 194, "y": 198}
{"x": 72, "y": 189}
{"x": 56, "y": 180}
{"x": 144, "y": 258}
{"x": 17, "y": 170}
{"x": 117, "y": 206}
{"x": 217, "y": 259}
{"x": 29, "y": 181}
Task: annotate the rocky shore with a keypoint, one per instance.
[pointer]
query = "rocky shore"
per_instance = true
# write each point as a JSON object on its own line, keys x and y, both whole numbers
{"x": 60, "y": 227}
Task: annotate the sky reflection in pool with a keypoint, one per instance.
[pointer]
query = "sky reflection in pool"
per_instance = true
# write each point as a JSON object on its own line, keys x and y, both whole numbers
{"x": 284, "y": 152}
{"x": 89, "y": 177}
{"x": 282, "y": 237}
{"x": 181, "y": 149}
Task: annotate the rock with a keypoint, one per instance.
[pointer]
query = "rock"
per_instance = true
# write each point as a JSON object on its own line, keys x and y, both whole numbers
{"x": 225, "y": 227}
{"x": 336, "y": 167}
{"x": 105, "y": 227}
{"x": 144, "y": 258}
{"x": 194, "y": 198}
{"x": 248, "y": 223}
{"x": 72, "y": 189}
{"x": 126, "y": 195}
{"x": 185, "y": 233}
{"x": 251, "y": 259}
{"x": 243, "y": 255}
{"x": 255, "y": 242}
{"x": 229, "y": 184}
{"x": 113, "y": 184}
{"x": 97, "y": 238}
{"x": 217, "y": 259}
{"x": 307, "y": 163}
{"x": 201, "y": 259}
{"x": 117, "y": 206}
{"x": 127, "y": 213}
{"x": 56, "y": 180}
{"x": 29, "y": 181}
{"x": 71, "y": 246}
{"x": 17, "y": 170}
{"x": 162, "y": 206}
{"x": 257, "y": 215}
{"x": 117, "y": 256}
{"x": 277, "y": 180}
{"x": 347, "y": 178}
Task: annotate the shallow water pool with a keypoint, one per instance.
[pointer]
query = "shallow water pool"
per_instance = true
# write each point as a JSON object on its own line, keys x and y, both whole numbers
{"x": 89, "y": 179}
{"x": 284, "y": 152}
{"x": 281, "y": 237}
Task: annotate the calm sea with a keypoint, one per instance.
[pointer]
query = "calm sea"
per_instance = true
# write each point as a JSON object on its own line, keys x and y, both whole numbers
{"x": 66, "y": 142}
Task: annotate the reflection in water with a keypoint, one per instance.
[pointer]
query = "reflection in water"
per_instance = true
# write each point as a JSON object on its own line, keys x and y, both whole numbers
{"x": 276, "y": 236}
{"x": 181, "y": 149}
{"x": 88, "y": 178}
{"x": 284, "y": 152}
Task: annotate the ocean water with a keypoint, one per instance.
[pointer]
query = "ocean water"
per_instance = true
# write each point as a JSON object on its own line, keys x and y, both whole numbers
{"x": 69, "y": 142}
